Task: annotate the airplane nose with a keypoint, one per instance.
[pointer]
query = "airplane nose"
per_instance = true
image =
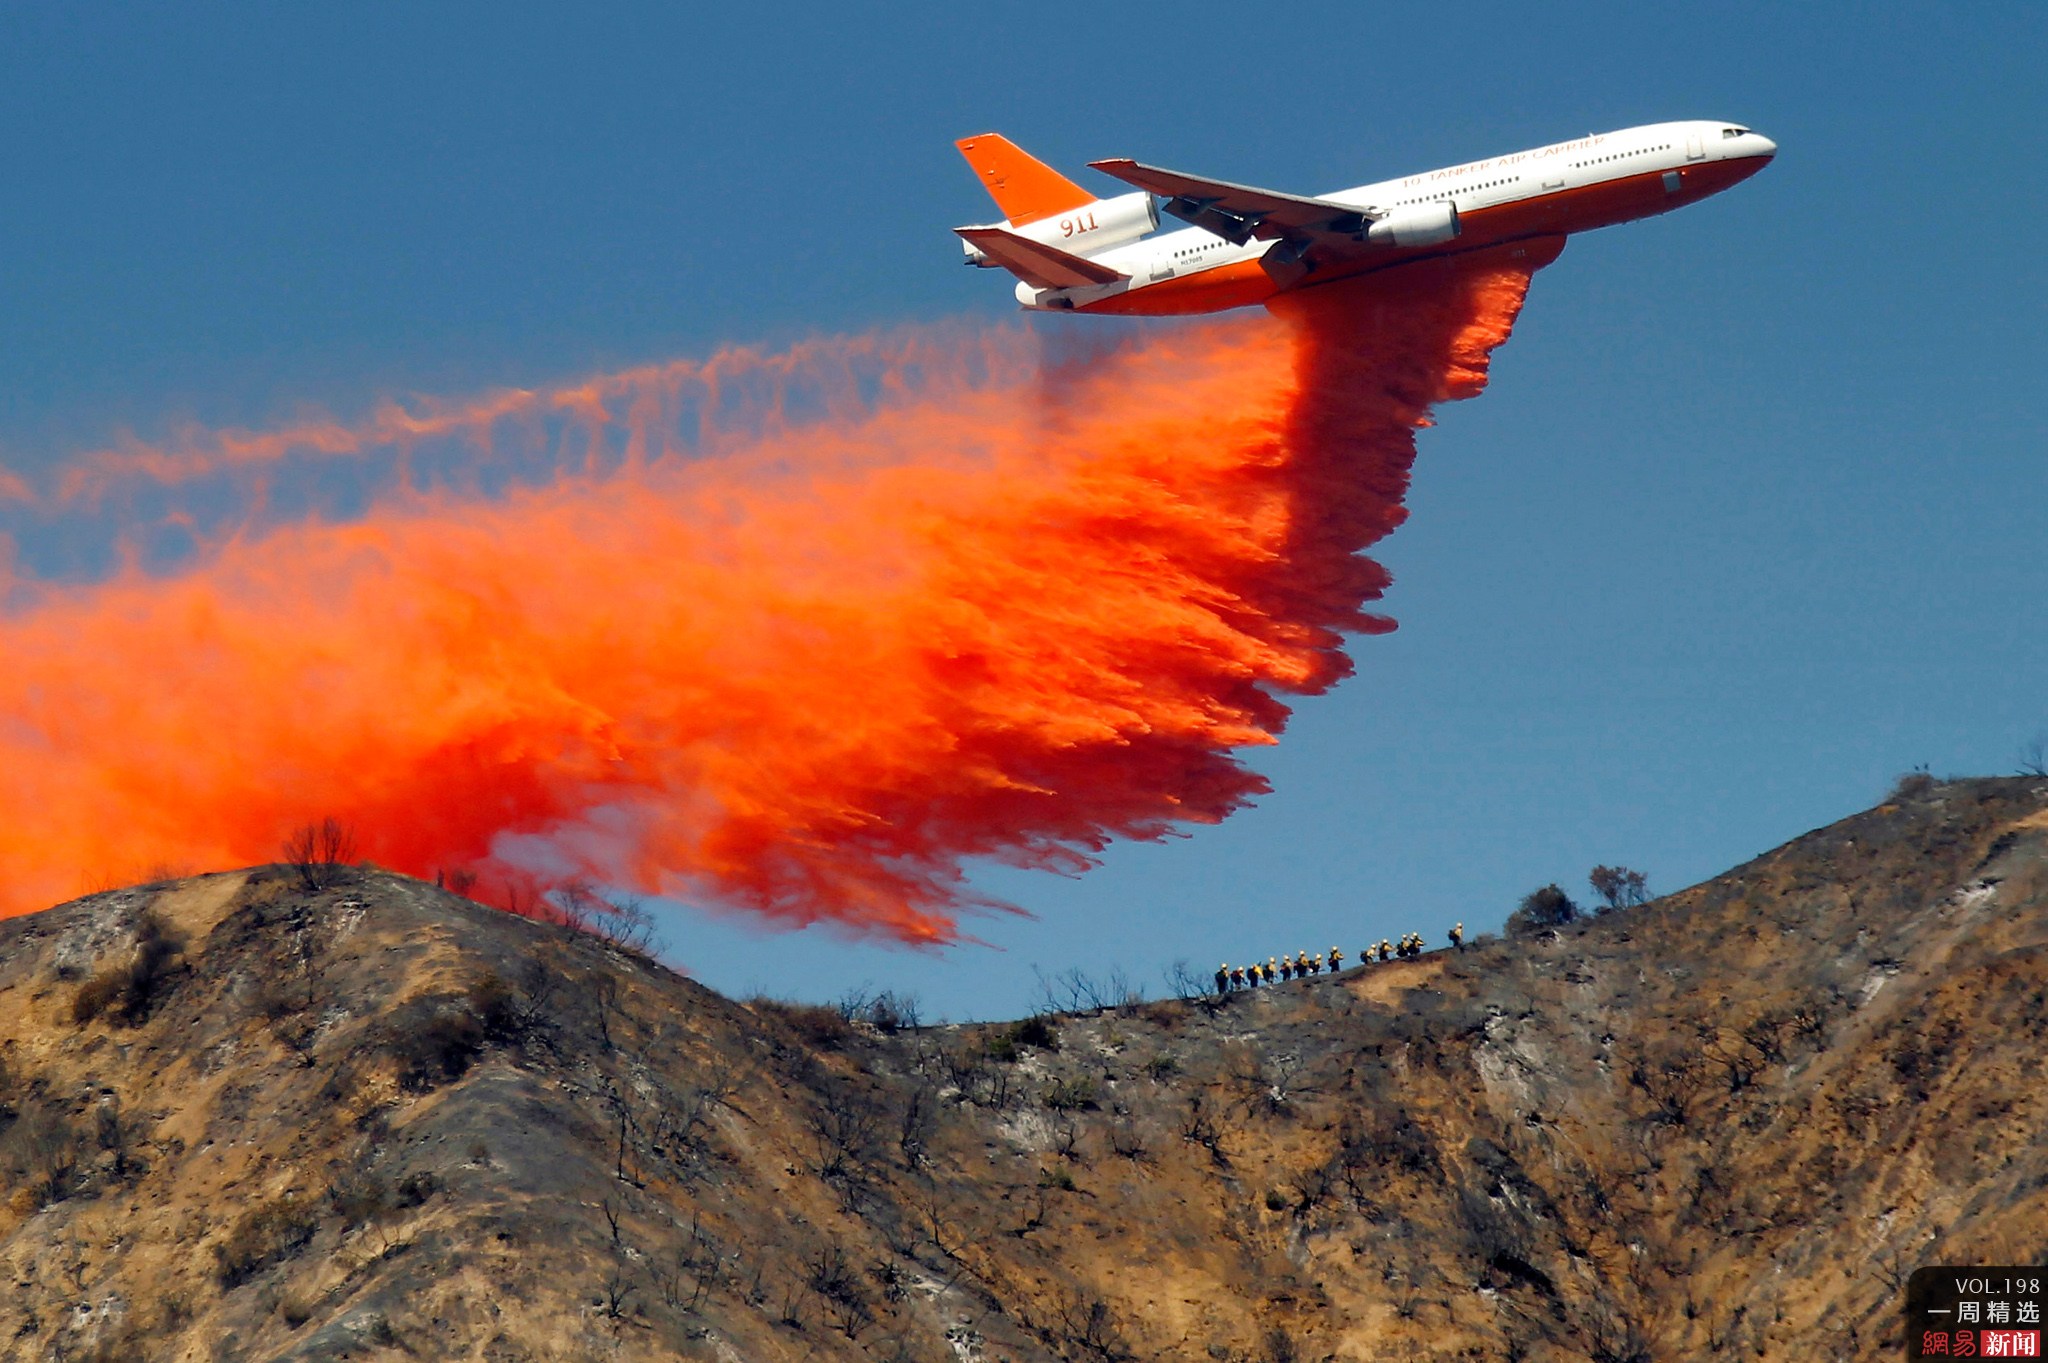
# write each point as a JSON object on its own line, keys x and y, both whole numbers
{"x": 1765, "y": 146}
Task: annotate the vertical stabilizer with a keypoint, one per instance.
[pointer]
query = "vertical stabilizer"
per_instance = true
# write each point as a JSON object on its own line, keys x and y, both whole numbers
{"x": 1025, "y": 188}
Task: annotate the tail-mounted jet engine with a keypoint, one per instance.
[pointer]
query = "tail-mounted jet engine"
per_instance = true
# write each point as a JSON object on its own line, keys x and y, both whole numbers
{"x": 1088, "y": 230}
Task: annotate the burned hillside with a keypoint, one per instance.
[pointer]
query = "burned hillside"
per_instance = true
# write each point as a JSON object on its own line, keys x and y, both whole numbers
{"x": 245, "y": 1117}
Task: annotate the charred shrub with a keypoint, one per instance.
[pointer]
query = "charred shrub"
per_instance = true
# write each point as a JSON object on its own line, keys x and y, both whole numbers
{"x": 287, "y": 1005}
{"x": 416, "y": 1187}
{"x": 1035, "y": 1032}
{"x": 434, "y": 1048}
{"x": 268, "y": 1235}
{"x": 1541, "y": 910}
{"x": 1916, "y": 784}
{"x": 93, "y": 996}
{"x": 818, "y": 1026}
{"x": 114, "y": 1135}
{"x": 1390, "y": 1142}
{"x": 889, "y": 1012}
{"x": 280, "y": 1000}
{"x": 319, "y": 853}
{"x": 829, "y": 1274}
{"x": 40, "y": 1154}
{"x": 126, "y": 994}
{"x": 1069, "y": 1095}
{"x": 1619, "y": 887}
{"x": 1920, "y": 1059}
{"x": 519, "y": 1011}
{"x": 500, "y": 1012}
{"x": 435, "y": 1041}
{"x": 1084, "y": 1327}
{"x": 296, "y": 1308}
{"x": 358, "y": 1198}
{"x": 846, "y": 1126}
{"x": 1672, "y": 1078}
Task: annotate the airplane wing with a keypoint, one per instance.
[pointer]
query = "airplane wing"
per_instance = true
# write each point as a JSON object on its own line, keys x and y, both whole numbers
{"x": 1039, "y": 265}
{"x": 1239, "y": 212}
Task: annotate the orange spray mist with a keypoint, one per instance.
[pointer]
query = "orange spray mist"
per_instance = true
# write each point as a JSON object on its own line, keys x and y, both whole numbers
{"x": 802, "y": 635}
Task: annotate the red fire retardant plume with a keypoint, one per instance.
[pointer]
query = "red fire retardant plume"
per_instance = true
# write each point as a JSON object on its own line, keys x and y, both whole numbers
{"x": 796, "y": 634}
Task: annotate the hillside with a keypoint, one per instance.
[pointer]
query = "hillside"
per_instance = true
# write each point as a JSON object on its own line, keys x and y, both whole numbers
{"x": 245, "y": 1119}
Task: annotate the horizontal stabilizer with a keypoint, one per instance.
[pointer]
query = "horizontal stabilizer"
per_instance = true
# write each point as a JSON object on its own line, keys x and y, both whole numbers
{"x": 1039, "y": 265}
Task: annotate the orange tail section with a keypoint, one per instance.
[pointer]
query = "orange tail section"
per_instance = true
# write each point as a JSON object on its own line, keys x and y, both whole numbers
{"x": 1025, "y": 188}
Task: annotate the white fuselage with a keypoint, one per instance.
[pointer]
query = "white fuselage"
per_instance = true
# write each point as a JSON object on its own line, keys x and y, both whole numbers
{"x": 1555, "y": 189}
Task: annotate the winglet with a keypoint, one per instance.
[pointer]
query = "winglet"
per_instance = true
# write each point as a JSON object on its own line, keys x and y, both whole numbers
{"x": 1039, "y": 265}
{"x": 1025, "y": 188}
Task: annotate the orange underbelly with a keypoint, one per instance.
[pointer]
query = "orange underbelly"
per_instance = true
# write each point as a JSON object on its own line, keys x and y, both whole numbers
{"x": 1603, "y": 205}
{"x": 1423, "y": 268}
{"x": 1235, "y": 285}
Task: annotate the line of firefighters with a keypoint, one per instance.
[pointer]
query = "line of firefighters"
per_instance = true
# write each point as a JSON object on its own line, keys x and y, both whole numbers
{"x": 1276, "y": 969}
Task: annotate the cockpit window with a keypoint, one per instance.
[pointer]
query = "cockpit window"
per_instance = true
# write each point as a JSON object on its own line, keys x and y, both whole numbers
{"x": 1733, "y": 132}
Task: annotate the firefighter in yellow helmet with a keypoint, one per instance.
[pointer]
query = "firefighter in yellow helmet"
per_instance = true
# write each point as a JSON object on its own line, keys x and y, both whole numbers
{"x": 1336, "y": 960}
{"x": 1458, "y": 936}
{"x": 1223, "y": 978}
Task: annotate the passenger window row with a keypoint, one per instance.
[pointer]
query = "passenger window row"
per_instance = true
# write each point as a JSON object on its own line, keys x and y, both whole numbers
{"x": 1462, "y": 189}
{"x": 1640, "y": 151}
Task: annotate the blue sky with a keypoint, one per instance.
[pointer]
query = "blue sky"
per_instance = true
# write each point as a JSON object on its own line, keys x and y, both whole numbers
{"x": 1749, "y": 522}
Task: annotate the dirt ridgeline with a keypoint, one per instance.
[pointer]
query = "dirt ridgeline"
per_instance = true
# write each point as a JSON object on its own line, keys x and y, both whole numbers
{"x": 244, "y": 1120}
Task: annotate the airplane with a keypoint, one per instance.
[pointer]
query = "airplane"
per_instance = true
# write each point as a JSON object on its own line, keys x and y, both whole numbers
{"x": 1074, "y": 252}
